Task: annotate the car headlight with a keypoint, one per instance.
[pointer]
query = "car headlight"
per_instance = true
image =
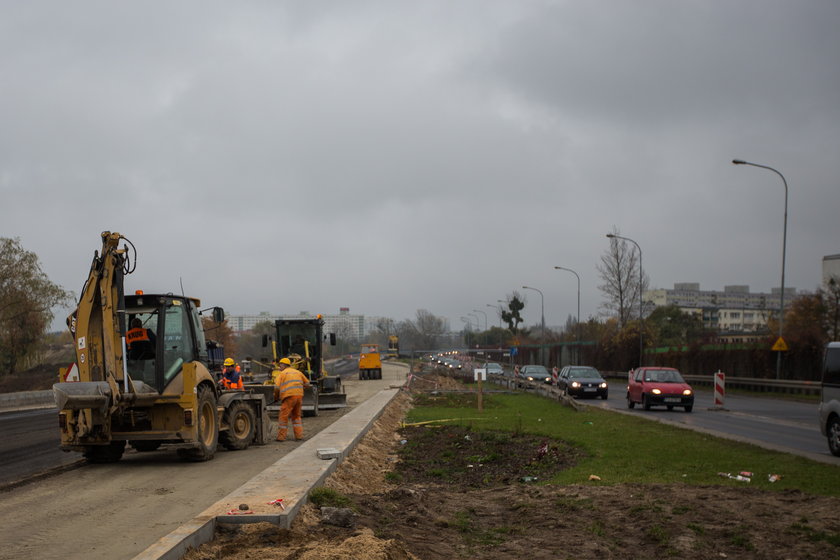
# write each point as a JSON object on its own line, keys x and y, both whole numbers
{"x": 575, "y": 384}
{"x": 530, "y": 378}
{"x": 603, "y": 385}
{"x": 687, "y": 392}
{"x": 656, "y": 391}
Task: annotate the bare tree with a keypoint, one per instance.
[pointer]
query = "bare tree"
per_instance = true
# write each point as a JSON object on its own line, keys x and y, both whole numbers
{"x": 430, "y": 327}
{"x": 619, "y": 272}
{"x": 512, "y": 316}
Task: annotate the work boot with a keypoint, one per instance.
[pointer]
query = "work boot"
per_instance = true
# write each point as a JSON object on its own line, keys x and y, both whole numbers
{"x": 280, "y": 438}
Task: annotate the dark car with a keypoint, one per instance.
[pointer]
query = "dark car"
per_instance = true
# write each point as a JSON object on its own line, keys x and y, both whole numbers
{"x": 535, "y": 373}
{"x": 582, "y": 381}
{"x": 659, "y": 386}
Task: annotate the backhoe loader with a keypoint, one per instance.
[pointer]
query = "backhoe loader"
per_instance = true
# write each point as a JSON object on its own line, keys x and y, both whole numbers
{"x": 156, "y": 388}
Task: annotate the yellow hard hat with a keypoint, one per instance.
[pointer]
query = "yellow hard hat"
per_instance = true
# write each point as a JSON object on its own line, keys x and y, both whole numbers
{"x": 286, "y": 361}
{"x": 229, "y": 362}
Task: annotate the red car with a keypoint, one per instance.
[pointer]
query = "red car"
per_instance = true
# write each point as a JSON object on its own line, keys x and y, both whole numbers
{"x": 658, "y": 386}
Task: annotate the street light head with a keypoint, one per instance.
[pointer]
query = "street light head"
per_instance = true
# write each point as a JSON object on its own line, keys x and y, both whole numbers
{"x": 739, "y": 162}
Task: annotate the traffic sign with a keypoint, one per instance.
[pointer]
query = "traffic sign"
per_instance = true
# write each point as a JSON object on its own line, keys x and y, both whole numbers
{"x": 780, "y": 346}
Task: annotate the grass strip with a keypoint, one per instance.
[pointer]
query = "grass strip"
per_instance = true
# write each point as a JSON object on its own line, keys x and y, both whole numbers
{"x": 624, "y": 449}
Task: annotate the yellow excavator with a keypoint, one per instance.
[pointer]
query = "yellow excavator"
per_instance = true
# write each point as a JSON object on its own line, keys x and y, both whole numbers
{"x": 141, "y": 374}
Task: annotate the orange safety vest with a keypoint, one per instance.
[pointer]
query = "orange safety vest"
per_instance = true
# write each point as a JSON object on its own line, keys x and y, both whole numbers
{"x": 137, "y": 334}
{"x": 291, "y": 383}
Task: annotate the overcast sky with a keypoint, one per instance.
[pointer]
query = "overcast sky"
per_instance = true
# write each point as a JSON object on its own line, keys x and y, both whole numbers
{"x": 387, "y": 156}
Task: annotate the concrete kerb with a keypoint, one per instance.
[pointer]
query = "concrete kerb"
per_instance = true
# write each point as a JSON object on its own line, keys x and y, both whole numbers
{"x": 290, "y": 478}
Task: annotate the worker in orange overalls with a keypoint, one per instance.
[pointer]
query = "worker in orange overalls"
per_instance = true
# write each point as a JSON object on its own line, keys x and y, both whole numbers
{"x": 288, "y": 389}
{"x": 230, "y": 375}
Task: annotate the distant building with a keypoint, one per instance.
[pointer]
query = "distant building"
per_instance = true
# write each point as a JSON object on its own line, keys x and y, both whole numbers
{"x": 830, "y": 268}
{"x": 735, "y": 309}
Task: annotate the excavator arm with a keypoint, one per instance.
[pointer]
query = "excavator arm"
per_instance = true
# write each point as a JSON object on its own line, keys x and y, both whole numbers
{"x": 98, "y": 328}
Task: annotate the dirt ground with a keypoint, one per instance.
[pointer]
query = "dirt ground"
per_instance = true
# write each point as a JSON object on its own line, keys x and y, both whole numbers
{"x": 446, "y": 492}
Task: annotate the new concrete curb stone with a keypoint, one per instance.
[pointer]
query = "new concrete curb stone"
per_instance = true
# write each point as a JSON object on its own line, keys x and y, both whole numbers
{"x": 290, "y": 479}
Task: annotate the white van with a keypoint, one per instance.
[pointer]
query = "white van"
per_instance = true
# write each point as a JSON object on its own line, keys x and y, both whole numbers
{"x": 830, "y": 401}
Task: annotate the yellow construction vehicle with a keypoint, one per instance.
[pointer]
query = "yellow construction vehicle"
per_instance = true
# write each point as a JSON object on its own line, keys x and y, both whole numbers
{"x": 370, "y": 362}
{"x": 147, "y": 385}
{"x": 302, "y": 341}
{"x": 393, "y": 346}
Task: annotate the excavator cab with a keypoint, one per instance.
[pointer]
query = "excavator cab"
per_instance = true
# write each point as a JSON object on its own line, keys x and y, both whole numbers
{"x": 175, "y": 337}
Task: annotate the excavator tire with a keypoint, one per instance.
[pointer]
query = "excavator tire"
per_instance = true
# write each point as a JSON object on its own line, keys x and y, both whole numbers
{"x": 143, "y": 445}
{"x": 110, "y": 453}
{"x": 241, "y": 426}
{"x": 208, "y": 428}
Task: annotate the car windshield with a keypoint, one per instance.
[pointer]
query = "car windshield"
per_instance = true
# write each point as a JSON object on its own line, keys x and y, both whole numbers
{"x": 494, "y": 367}
{"x": 583, "y": 373}
{"x": 536, "y": 370}
{"x": 664, "y": 376}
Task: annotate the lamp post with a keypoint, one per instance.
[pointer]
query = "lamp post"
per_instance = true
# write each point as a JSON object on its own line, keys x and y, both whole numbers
{"x": 485, "y": 317}
{"x": 469, "y": 329}
{"x": 477, "y": 321}
{"x": 784, "y": 251}
{"x": 577, "y": 321}
{"x": 499, "y": 309}
{"x": 641, "y": 311}
{"x": 542, "y": 321}
{"x": 542, "y": 309}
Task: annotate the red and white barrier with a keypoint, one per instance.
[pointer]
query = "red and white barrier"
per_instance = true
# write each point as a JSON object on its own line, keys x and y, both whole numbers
{"x": 720, "y": 388}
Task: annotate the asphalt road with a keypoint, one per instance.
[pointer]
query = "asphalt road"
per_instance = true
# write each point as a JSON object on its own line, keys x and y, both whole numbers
{"x": 30, "y": 444}
{"x": 785, "y": 425}
{"x": 115, "y": 511}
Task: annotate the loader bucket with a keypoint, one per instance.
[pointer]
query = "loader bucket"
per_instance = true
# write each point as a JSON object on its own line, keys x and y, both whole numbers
{"x": 82, "y": 394}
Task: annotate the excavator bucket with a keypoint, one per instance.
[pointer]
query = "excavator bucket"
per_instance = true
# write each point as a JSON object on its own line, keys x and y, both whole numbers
{"x": 82, "y": 394}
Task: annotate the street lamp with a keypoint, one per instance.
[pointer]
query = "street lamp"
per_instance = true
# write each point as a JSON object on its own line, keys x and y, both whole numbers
{"x": 577, "y": 321}
{"x": 485, "y": 317}
{"x": 641, "y": 316}
{"x": 542, "y": 309}
{"x": 784, "y": 250}
{"x": 499, "y": 308}
{"x": 469, "y": 328}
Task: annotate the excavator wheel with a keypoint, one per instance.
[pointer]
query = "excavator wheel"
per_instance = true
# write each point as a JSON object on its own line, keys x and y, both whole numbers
{"x": 208, "y": 428}
{"x": 110, "y": 453}
{"x": 241, "y": 426}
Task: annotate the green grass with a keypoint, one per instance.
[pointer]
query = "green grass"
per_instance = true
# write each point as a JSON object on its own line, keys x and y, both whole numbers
{"x": 627, "y": 449}
{"x": 327, "y": 497}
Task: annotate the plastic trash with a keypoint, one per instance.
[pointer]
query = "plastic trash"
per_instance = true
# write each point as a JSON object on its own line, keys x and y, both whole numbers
{"x": 594, "y": 477}
{"x": 773, "y": 477}
{"x": 528, "y": 479}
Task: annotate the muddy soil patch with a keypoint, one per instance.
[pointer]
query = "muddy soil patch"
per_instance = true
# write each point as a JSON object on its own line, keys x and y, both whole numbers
{"x": 422, "y": 499}
{"x": 462, "y": 457}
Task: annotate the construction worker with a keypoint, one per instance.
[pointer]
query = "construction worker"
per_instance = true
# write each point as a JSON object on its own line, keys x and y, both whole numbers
{"x": 289, "y": 390}
{"x": 140, "y": 341}
{"x": 230, "y": 375}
